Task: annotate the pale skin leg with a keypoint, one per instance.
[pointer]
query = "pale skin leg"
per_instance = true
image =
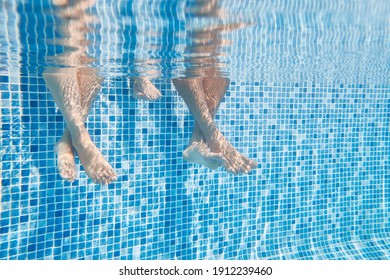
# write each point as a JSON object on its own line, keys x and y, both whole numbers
{"x": 214, "y": 89}
{"x": 191, "y": 90}
{"x": 197, "y": 150}
{"x": 89, "y": 85}
{"x": 74, "y": 90}
{"x": 74, "y": 100}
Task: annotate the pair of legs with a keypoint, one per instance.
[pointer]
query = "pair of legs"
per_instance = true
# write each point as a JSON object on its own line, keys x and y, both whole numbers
{"x": 74, "y": 90}
{"x": 207, "y": 145}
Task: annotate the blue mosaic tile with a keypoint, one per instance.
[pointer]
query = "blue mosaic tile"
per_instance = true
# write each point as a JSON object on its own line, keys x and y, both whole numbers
{"x": 308, "y": 99}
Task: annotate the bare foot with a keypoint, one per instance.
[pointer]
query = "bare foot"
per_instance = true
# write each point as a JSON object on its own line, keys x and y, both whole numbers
{"x": 199, "y": 152}
{"x": 143, "y": 89}
{"x": 192, "y": 91}
{"x": 96, "y": 167}
{"x": 235, "y": 162}
{"x": 65, "y": 157}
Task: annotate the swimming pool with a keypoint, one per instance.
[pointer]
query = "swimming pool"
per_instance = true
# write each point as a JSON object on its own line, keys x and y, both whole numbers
{"x": 308, "y": 100}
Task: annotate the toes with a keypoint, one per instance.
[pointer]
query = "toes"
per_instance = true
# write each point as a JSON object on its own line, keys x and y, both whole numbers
{"x": 249, "y": 164}
{"x": 100, "y": 179}
{"x": 104, "y": 176}
{"x": 242, "y": 169}
{"x": 147, "y": 96}
{"x": 157, "y": 95}
{"x": 239, "y": 164}
{"x": 230, "y": 167}
{"x": 236, "y": 166}
{"x": 112, "y": 175}
{"x": 67, "y": 176}
{"x": 70, "y": 176}
{"x": 108, "y": 176}
{"x": 246, "y": 168}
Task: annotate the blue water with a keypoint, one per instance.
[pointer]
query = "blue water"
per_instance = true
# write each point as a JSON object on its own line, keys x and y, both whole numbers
{"x": 308, "y": 100}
